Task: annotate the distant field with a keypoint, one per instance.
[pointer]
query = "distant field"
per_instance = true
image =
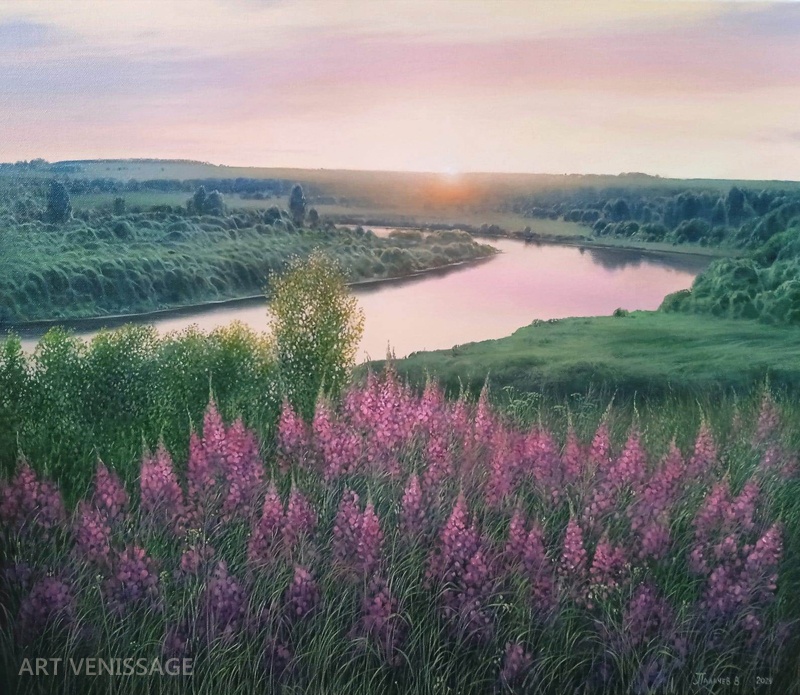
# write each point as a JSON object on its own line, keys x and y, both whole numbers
{"x": 645, "y": 352}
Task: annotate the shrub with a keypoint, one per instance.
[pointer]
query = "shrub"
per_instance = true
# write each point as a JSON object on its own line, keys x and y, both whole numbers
{"x": 317, "y": 326}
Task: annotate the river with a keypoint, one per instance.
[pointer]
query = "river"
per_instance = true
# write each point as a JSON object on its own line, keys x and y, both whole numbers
{"x": 480, "y": 301}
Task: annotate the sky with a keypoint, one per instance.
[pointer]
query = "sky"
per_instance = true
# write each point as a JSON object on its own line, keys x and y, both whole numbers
{"x": 685, "y": 88}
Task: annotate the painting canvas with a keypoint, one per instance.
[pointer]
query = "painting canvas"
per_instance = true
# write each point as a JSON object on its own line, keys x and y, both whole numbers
{"x": 399, "y": 347}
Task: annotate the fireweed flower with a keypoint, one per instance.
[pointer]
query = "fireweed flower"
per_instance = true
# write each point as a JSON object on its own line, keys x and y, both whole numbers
{"x": 243, "y": 472}
{"x": 776, "y": 459}
{"x": 412, "y": 511}
{"x": 175, "y": 644}
{"x": 300, "y": 520}
{"x": 50, "y": 603}
{"x": 92, "y": 533}
{"x": 649, "y": 513}
{"x": 346, "y": 531}
{"x": 439, "y": 464}
{"x": 517, "y": 663}
{"x": 109, "y": 496}
{"x": 608, "y": 572}
{"x": 370, "y": 540}
{"x": 600, "y": 448}
{"x": 467, "y": 605}
{"x": 631, "y": 466}
{"x": 194, "y": 561}
{"x": 648, "y": 617}
{"x": 133, "y": 581}
{"x": 572, "y": 457}
{"x": 503, "y": 470}
{"x": 515, "y": 543}
{"x": 704, "y": 457}
{"x": 224, "y": 603}
{"x": 161, "y": 498}
{"x": 572, "y": 567}
{"x": 302, "y": 596}
{"x": 456, "y": 545}
{"x": 27, "y": 501}
{"x": 339, "y": 447}
{"x": 293, "y": 437}
{"x": 200, "y": 473}
{"x": 769, "y": 420}
{"x": 484, "y": 424}
{"x": 380, "y": 622}
{"x": 265, "y": 532}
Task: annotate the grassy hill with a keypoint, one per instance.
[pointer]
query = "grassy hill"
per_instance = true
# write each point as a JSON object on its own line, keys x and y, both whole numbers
{"x": 643, "y": 353}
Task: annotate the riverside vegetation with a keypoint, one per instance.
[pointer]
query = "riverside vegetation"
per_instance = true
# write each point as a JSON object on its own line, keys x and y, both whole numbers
{"x": 61, "y": 263}
{"x": 381, "y": 538}
{"x": 400, "y": 542}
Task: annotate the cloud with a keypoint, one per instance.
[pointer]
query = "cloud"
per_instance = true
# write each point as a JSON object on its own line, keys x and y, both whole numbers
{"x": 21, "y": 35}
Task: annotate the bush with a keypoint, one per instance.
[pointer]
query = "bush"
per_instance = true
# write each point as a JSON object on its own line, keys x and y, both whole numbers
{"x": 317, "y": 327}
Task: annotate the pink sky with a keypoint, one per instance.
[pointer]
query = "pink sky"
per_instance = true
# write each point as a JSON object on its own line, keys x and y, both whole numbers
{"x": 679, "y": 88}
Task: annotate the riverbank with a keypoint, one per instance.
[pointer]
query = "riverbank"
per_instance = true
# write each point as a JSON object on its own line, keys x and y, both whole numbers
{"x": 644, "y": 353}
{"x": 89, "y": 323}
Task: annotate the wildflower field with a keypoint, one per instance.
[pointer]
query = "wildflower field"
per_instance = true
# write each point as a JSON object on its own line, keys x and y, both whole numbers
{"x": 402, "y": 542}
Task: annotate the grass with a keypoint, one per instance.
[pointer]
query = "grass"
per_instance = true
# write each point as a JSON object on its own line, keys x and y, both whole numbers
{"x": 641, "y": 353}
{"x": 575, "y": 646}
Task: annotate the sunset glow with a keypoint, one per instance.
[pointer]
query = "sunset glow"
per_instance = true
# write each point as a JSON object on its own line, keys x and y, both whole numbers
{"x": 705, "y": 89}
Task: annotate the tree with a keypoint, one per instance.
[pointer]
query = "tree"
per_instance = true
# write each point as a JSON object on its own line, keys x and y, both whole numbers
{"x": 119, "y": 206}
{"x": 59, "y": 207}
{"x": 316, "y": 326}
{"x": 214, "y": 204}
{"x": 297, "y": 204}
{"x": 198, "y": 201}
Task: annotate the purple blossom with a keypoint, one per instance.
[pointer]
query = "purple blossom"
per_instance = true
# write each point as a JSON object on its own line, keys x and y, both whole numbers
{"x": 92, "y": 532}
{"x": 572, "y": 458}
{"x": 195, "y": 560}
{"x": 516, "y": 542}
{"x": 647, "y": 618}
{"x": 456, "y": 545}
{"x": 339, "y": 447}
{"x": 572, "y": 567}
{"x": 413, "y": 520}
{"x": 439, "y": 459}
{"x": 224, "y": 603}
{"x": 600, "y": 448}
{"x": 704, "y": 457}
{"x": 266, "y": 531}
{"x": 161, "y": 498}
{"x": 200, "y": 474}
{"x": 300, "y": 520}
{"x": 516, "y": 664}
{"x": 293, "y": 438}
{"x": 109, "y": 495}
{"x": 302, "y": 596}
{"x": 243, "y": 473}
{"x": 769, "y": 420}
{"x": 485, "y": 423}
{"x": 27, "y": 501}
{"x": 380, "y": 621}
{"x": 467, "y": 605}
{"x": 541, "y": 454}
{"x": 347, "y": 531}
{"x": 631, "y": 466}
{"x": 370, "y": 540}
{"x": 134, "y": 581}
{"x": 776, "y": 459}
{"x": 175, "y": 644}
{"x": 608, "y": 572}
{"x": 50, "y": 603}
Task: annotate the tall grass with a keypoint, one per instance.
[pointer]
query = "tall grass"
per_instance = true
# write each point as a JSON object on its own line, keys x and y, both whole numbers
{"x": 401, "y": 542}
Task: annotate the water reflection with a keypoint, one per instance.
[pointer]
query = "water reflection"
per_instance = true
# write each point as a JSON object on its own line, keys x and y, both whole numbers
{"x": 488, "y": 299}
